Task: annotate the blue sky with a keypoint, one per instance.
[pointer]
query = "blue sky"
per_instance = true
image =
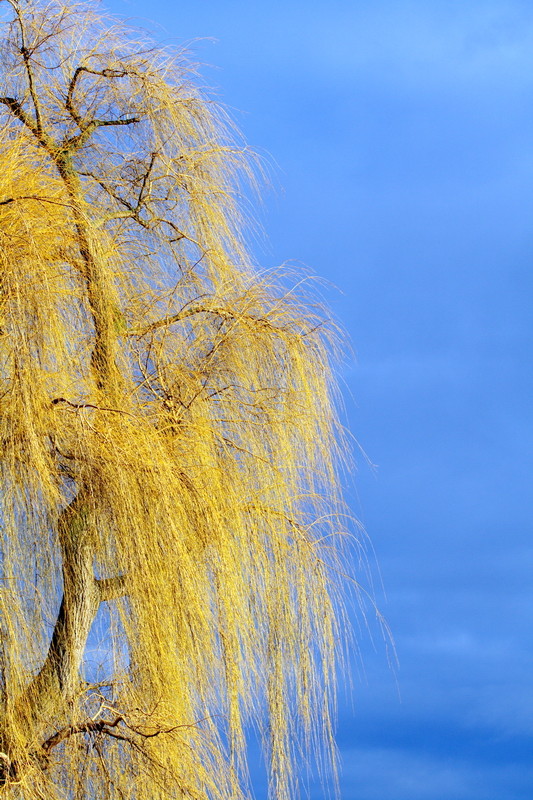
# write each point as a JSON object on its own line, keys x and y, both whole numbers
{"x": 402, "y": 138}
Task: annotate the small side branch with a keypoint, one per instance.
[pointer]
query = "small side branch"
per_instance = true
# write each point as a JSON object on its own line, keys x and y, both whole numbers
{"x": 75, "y": 142}
{"x": 26, "y": 54}
{"x": 171, "y": 319}
{"x": 16, "y": 109}
{"x": 68, "y": 102}
{"x": 108, "y": 727}
{"x": 99, "y": 726}
{"x": 78, "y": 72}
{"x": 79, "y": 406}
{"x": 222, "y": 313}
{"x": 35, "y": 127}
{"x": 34, "y": 197}
{"x": 145, "y": 180}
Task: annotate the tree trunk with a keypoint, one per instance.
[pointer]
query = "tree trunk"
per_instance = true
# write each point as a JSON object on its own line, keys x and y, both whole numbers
{"x": 58, "y": 679}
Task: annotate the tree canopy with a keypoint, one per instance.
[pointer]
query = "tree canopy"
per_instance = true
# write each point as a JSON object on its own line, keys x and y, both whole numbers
{"x": 171, "y": 515}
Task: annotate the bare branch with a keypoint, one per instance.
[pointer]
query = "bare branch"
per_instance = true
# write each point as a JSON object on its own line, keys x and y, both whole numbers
{"x": 109, "y": 191}
{"x": 145, "y": 179}
{"x": 105, "y": 73}
{"x": 16, "y": 109}
{"x": 26, "y": 56}
{"x": 68, "y": 102}
{"x": 171, "y": 319}
{"x": 79, "y": 406}
{"x": 100, "y": 726}
{"x": 75, "y": 142}
{"x": 34, "y": 197}
{"x": 104, "y": 726}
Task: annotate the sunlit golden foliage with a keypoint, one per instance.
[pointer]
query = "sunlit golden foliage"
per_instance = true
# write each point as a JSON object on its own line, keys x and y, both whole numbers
{"x": 169, "y": 444}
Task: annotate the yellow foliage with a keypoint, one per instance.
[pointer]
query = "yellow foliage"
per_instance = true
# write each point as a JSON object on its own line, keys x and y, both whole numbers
{"x": 168, "y": 434}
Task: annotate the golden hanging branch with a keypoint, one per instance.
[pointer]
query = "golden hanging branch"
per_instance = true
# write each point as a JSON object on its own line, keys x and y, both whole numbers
{"x": 168, "y": 441}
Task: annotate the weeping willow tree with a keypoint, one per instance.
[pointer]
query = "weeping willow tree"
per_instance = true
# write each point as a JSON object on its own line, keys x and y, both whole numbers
{"x": 169, "y": 447}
